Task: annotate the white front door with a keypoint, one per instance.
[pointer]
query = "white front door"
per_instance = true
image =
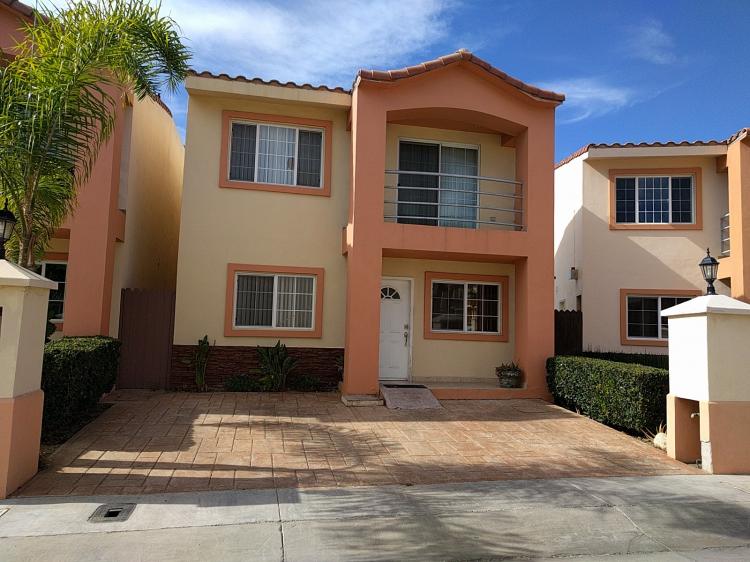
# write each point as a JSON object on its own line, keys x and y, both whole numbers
{"x": 395, "y": 329}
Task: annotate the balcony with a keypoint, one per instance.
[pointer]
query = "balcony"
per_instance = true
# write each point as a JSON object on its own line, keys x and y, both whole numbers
{"x": 725, "y": 249}
{"x": 453, "y": 200}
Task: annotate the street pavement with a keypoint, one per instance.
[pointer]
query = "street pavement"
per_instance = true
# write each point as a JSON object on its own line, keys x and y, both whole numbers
{"x": 662, "y": 518}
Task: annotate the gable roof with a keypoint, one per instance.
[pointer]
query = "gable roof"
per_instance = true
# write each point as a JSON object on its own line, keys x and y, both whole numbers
{"x": 712, "y": 142}
{"x": 458, "y": 56}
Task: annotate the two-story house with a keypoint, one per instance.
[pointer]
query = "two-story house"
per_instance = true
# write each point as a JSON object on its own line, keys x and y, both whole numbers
{"x": 405, "y": 224}
{"x": 632, "y": 221}
{"x": 123, "y": 232}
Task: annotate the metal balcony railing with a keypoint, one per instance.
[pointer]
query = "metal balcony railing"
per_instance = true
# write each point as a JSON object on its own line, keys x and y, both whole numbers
{"x": 454, "y": 200}
{"x": 725, "y": 234}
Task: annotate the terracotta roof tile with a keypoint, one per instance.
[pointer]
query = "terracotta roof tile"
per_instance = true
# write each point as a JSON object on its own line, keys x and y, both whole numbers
{"x": 20, "y": 7}
{"x": 240, "y": 78}
{"x": 712, "y": 142}
{"x": 461, "y": 55}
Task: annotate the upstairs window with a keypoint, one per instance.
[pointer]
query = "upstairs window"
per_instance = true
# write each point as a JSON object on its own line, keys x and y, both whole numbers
{"x": 276, "y": 154}
{"x": 667, "y": 199}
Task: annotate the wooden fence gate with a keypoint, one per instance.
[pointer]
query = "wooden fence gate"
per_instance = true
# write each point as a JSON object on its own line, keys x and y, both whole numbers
{"x": 146, "y": 327}
{"x": 568, "y": 332}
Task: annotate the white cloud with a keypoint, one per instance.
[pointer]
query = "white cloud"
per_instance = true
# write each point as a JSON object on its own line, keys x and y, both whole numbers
{"x": 650, "y": 42}
{"x": 318, "y": 42}
{"x": 590, "y": 97}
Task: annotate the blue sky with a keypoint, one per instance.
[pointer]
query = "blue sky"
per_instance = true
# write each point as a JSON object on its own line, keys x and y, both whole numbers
{"x": 632, "y": 70}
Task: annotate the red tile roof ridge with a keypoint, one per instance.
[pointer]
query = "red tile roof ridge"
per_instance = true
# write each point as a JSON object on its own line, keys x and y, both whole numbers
{"x": 656, "y": 144}
{"x": 241, "y": 78}
{"x": 460, "y": 55}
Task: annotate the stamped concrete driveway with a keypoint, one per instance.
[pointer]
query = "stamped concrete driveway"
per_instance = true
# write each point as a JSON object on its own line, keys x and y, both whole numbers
{"x": 164, "y": 442}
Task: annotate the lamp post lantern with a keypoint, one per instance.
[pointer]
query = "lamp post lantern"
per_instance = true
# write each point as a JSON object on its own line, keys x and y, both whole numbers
{"x": 709, "y": 268}
{"x": 7, "y": 223}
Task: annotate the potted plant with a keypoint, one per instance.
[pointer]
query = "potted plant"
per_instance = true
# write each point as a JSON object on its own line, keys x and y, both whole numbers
{"x": 510, "y": 375}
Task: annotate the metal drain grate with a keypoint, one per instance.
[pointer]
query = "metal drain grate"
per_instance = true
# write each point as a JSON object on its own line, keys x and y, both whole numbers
{"x": 112, "y": 513}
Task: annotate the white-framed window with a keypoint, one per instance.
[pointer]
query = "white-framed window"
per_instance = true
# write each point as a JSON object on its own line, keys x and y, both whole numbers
{"x": 274, "y": 301}
{"x": 655, "y": 199}
{"x": 466, "y": 307}
{"x": 644, "y": 316}
{"x": 55, "y": 271}
{"x": 276, "y": 154}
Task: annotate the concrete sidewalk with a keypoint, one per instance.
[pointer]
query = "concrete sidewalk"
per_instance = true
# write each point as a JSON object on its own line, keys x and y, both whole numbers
{"x": 645, "y": 518}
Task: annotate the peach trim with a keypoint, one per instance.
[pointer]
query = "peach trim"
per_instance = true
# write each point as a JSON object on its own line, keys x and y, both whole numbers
{"x": 55, "y": 256}
{"x": 429, "y": 334}
{"x": 231, "y": 331}
{"x": 696, "y": 172}
{"x": 625, "y": 293}
{"x": 226, "y": 119}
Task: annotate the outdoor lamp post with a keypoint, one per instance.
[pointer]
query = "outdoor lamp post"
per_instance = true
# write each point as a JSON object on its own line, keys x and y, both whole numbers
{"x": 709, "y": 268}
{"x": 7, "y": 222}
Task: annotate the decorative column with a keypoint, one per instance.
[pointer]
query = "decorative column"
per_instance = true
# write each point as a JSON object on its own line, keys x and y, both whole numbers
{"x": 708, "y": 405}
{"x": 23, "y": 317}
{"x": 364, "y": 258}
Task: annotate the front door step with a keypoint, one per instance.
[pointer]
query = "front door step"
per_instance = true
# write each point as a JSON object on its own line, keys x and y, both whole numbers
{"x": 361, "y": 400}
{"x": 408, "y": 397}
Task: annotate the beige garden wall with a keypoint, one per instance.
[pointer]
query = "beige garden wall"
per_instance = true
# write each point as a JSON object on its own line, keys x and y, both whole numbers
{"x": 446, "y": 360}
{"x": 640, "y": 259}
{"x": 244, "y": 226}
{"x": 150, "y": 194}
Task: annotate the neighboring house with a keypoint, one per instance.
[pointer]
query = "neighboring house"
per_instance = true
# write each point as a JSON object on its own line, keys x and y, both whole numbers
{"x": 405, "y": 224}
{"x": 632, "y": 221}
{"x": 123, "y": 233}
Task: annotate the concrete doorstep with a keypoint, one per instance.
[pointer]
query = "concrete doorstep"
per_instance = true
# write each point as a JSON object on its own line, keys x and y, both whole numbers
{"x": 649, "y": 518}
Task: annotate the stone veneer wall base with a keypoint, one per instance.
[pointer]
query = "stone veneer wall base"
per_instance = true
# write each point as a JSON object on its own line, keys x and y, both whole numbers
{"x": 225, "y": 361}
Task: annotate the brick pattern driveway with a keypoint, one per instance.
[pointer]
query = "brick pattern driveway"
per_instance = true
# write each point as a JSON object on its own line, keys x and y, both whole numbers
{"x": 157, "y": 442}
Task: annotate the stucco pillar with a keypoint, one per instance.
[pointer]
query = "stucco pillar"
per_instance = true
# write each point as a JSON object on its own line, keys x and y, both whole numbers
{"x": 364, "y": 249}
{"x": 738, "y": 178}
{"x": 708, "y": 359}
{"x": 23, "y": 317}
{"x": 535, "y": 285}
{"x": 95, "y": 227}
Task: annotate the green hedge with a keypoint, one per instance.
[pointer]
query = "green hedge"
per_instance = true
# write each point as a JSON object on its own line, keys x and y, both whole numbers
{"x": 648, "y": 359}
{"x": 623, "y": 395}
{"x": 75, "y": 374}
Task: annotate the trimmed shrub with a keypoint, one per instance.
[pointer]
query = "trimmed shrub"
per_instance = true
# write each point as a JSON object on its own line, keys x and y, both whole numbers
{"x": 305, "y": 383}
{"x": 623, "y": 395}
{"x": 648, "y": 359}
{"x": 75, "y": 374}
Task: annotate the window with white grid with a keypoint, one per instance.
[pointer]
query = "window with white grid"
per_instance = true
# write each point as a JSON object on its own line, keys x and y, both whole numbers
{"x": 466, "y": 307}
{"x": 655, "y": 199}
{"x": 274, "y": 301}
{"x": 276, "y": 154}
{"x": 644, "y": 316}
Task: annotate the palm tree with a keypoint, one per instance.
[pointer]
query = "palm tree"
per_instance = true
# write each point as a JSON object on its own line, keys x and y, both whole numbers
{"x": 58, "y": 100}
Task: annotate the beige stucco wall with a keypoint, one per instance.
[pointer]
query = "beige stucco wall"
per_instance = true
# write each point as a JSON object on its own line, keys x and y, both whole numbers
{"x": 446, "y": 359}
{"x": 150, "y": 194}
{"x": 568, "y": 232}
{"x": 640, "y": 259}
{"x": 495, "y": 161}
{"x": 222, "y": 226}
{"x": 58, "y": 245}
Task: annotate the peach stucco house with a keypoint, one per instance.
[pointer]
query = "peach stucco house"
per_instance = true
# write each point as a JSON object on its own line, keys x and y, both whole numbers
{"x": 123, "y": 233}
{"x": 406, "y": 224}
{"x": 632, "y": 221}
